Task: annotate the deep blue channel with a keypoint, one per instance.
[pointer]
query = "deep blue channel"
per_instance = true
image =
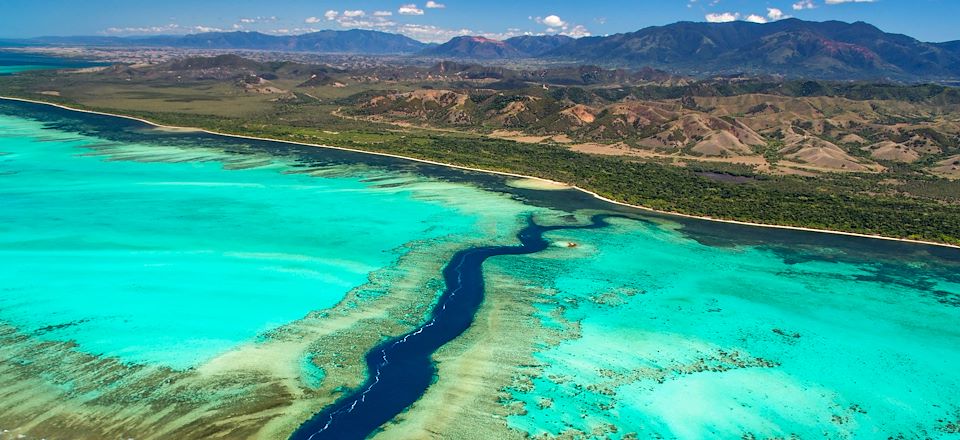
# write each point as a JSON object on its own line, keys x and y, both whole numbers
{"x": 401, "y": 369}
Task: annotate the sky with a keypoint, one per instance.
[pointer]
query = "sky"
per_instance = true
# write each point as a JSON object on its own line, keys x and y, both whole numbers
{"x": 440, "y": 20}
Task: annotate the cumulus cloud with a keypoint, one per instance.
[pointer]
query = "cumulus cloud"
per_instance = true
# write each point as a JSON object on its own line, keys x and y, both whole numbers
{"x": 354, "y": 13}
{"x": 722, "y": 17}
{"x": 803, "y": 4}
{"x": 312, "y": 20}
{"x": 331, "y": 15}
{"x": 382, "y": 13}
{"x": 553, "y": 21}
{"x": 410, "y": 9}
{"x": 434, "y": 5}
{"x": 558, "y": 26}
{"x": 773, "y": 14}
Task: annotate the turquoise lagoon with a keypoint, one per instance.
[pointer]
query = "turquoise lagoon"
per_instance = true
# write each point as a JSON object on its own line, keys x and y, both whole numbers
{"x": 16, "y": 62}
{"x": 170, "y": 249}
{"x": 678, "y": 339}
{"x": 154, "y": 253}
{"x": 6, "y": 70}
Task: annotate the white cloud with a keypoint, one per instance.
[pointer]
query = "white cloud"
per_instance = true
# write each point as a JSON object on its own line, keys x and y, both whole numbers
{"x": 553, "y": 21}
{"x": 723, "y": 17}
{"x": 171, "y": 29}
{"x": 803, "y": 4}
{"x": 434, "y": 5}
{"x": 258, "y": 19}
{"x": 578, "y": 31}
{"x": 410, "y": 9}
{"x": 773, "y": 14}
{"x": 358, "y": 19}
{"x": 430, "y": 33}
{"x": 557, "y": 26}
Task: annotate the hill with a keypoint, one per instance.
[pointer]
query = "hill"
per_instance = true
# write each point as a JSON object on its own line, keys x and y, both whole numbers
{"x": 473, "y": 47}
{"x": 482, "y": 48}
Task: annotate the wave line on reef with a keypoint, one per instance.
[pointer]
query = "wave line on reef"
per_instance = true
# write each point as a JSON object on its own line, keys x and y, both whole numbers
{"x": 402, "y": 367}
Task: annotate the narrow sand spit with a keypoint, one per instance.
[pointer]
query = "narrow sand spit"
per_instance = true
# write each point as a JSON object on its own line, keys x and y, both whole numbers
{"x": 537, "y": 184}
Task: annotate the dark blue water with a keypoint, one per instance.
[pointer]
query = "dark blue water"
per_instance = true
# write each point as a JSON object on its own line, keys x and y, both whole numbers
{"x": 401, "y": 369}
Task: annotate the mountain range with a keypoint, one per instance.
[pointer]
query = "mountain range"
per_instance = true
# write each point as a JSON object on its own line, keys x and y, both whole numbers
{"x": 357, "y": 41}
{"x": 794, "y": 47}
{"x": 791, "y": 47}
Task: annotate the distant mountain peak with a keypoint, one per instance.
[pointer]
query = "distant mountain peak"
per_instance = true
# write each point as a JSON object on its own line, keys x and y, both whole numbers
{"x": 479, "y": 47}
{"x": 791, "y": 47}
{"x": 479, "y": 39}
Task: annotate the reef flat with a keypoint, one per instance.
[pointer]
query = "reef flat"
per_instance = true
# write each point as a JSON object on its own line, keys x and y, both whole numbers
{"x": 640, "y": 331}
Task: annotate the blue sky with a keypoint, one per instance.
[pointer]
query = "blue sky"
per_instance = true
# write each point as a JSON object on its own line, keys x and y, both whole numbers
{"x": 439, "y": 20}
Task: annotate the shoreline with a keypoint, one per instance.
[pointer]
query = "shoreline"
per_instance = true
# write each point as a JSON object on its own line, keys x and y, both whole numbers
{"x": 502, "y": 173}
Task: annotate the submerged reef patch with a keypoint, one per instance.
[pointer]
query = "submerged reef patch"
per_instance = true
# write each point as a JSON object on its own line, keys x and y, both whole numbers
{"x": 641, "y": 332}
{"x": 172, "y": 289}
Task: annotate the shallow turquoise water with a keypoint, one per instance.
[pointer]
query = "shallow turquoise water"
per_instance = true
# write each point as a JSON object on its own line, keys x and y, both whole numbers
{"x": 18, "y": 69}
{"x": 683, "y": 340}
{"x": 155, "y": 254}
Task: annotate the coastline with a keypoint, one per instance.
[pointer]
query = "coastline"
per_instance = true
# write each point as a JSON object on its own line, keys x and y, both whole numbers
{"x": 502, "y": 173}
